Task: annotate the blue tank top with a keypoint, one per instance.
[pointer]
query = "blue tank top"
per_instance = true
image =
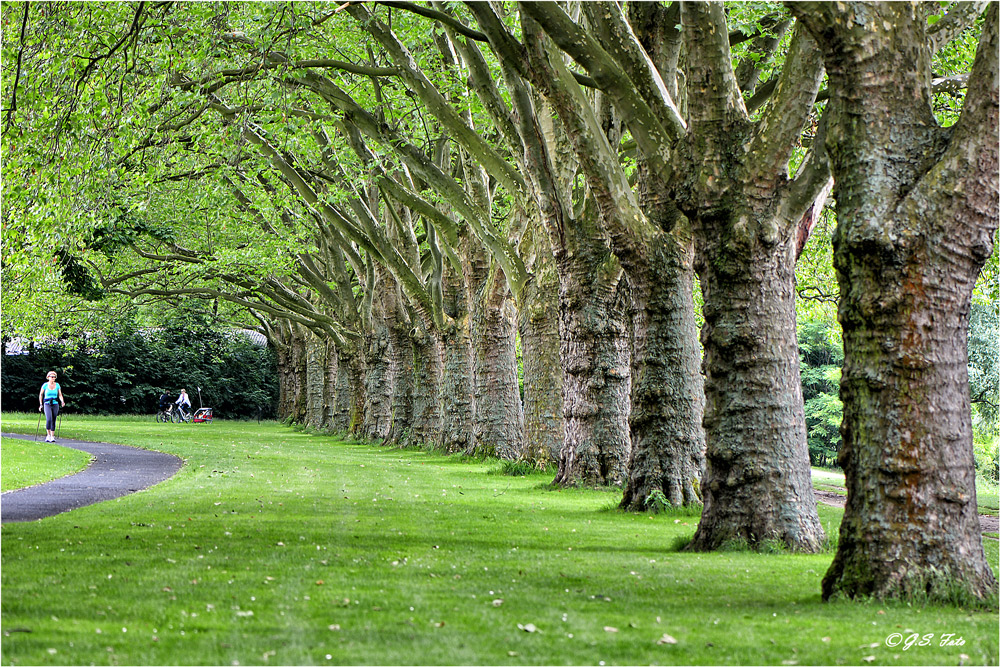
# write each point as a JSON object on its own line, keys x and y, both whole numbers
{"x": 51, "y": 395}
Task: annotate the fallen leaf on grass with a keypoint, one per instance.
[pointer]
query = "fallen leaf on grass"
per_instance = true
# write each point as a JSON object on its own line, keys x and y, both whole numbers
{"x": 666, "y": 639}
{"x": 530, "y": 627}
{"x": 497, "y": 603}
{"x": 608, "y": 628}
{"x": 868, "y": 658}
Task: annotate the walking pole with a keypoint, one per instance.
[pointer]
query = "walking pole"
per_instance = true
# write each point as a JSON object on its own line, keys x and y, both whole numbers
{"x": 37, "y": 424}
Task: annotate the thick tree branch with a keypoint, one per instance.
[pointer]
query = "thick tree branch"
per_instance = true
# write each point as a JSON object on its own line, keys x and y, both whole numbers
{"x": 959, "y": 16}
{"x": 713, "y": 94}
{"x": 481, "y": 81}
{"x": 417, "y": 162}
{"x": 764, "y": 47}
{"x": 778, "y": 131}
{"x": 654, "y": 136}
{"x": 418, "y": 83}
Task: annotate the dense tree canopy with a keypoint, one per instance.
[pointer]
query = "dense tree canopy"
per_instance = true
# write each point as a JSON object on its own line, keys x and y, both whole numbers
{"x": 403, "y": 195}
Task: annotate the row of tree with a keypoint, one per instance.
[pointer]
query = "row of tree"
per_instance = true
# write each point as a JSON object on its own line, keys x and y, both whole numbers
{"x": 401, "y": 192}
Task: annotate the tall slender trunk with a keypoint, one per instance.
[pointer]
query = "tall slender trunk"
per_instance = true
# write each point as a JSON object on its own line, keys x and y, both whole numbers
{"x": 538, "y": 323}
{"x": 757, "y": 483}
{"x": 286, "y": 376}
{"x": 499, "y": 424}
{"x": 668, "y": 442}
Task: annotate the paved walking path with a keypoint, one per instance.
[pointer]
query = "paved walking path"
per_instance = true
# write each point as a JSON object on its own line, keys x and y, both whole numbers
{"x": 116, "y": 471}
{"x": 987, "y": 522}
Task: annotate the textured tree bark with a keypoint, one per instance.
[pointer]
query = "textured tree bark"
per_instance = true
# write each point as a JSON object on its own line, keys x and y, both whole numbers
{"x": 917, "y": 210}
{"x": 594, "y": 350}
{"x": 348, "y": 411}
{"x": 402, "y": 369}
{"x": 731, "y": 182}
{"x": 329, "y": 385}
{"x": 377, "y": 383}
{"x": 315, "y": 381}
{"x": 499, "y": 422}
{"x": 297, "y": 357}
{"x": 629, "y": 231}
{"x": 668, "y": 442}
{"x": 428, "y": 374}
{"x": 757, "y": 483}
{"x": 286, "y": 377}
{"x": 538, "y": 323}
{"x": 458, "y": 405}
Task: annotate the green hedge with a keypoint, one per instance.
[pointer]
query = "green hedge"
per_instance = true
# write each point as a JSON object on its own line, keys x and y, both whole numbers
{"x": 126, "y": 373}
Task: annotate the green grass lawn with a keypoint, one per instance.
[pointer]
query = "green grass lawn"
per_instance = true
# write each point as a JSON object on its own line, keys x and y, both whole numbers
{"x": 272, "y": 546}
{"x": 26, "y": 463}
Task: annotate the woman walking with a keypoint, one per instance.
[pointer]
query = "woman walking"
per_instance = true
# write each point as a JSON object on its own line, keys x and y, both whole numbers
{"x": 50, "y": 398}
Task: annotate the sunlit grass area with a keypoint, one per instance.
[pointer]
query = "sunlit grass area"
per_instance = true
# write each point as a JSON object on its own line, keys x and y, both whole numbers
{"x": 26, "y": 463}
{"x": 272, "y": 546}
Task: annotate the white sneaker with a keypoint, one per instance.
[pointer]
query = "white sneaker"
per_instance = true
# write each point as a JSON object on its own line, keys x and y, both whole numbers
{"x": 48, "y": 438}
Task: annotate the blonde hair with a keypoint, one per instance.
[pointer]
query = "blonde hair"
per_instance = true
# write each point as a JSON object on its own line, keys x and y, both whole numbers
{"x": 51, "y": 373}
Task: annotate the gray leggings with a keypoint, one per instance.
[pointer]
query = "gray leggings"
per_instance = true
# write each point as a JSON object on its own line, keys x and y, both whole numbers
{"x": 51, "y": 412}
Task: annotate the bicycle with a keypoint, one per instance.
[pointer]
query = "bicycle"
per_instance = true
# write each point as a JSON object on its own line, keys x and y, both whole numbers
{"x": 165, "y": 416}
{"x": 178, "y": 416}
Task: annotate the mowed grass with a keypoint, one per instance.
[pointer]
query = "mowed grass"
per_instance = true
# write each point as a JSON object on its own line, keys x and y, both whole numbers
{"x": 26, "y": 463}
{"x": 272, "y": 546}
{"x": 826, "y": 479}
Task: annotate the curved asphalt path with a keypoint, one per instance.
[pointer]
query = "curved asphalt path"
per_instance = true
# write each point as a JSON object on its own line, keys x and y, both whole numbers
{"x": 116, "y": 471}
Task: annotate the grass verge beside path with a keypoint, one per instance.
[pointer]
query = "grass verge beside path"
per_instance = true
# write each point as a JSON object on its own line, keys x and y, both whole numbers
{"x": 826, "y": 479}
{"x": 277, "y": 547}
{"x": 27, "y": 463}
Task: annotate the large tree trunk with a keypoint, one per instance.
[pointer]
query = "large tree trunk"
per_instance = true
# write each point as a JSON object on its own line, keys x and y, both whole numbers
{"x": 538, "y": 322}
{"x": 499, "y": 423}
{"x": 668, "y": 442}
{"x": 458, "y": 407}
{"x": 595, "y": 357}
{"x": 428, "y": 373}
{"x": 349, "y": 409}
{"x": 330, "y": 373}
{"x": 297, "y": 363}
{"x": 757, "y": 483}
{"x": 378, "y": 383}
{"x": 286, "y": 372}
{"x": 315, "y": 381}
{"x": 917, "y": 211}
{"x": 402, "y": 369}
